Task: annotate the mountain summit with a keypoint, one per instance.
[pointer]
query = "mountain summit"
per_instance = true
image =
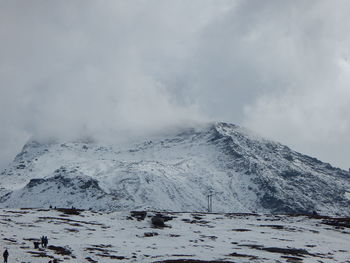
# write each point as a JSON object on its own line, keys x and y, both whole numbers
{"x": 176, "y": 172}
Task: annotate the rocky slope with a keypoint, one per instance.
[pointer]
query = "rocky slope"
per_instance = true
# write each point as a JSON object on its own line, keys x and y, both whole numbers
{"x": 176, "y": 172}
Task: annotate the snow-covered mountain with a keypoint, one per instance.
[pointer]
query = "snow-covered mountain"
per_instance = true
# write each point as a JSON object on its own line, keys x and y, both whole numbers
{"x": 176, "y": 172}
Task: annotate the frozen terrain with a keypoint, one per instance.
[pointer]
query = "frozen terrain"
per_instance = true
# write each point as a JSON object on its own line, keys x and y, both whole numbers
{"x": 87, "y": 236}
{"x": 176, "y": 172}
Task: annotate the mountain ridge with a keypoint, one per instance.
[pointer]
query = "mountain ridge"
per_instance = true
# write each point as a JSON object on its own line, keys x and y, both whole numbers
{"x": 176, "y": 172}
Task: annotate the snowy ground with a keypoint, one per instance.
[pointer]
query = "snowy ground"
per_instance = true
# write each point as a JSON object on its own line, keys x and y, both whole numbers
{"x": 188, "y": 237}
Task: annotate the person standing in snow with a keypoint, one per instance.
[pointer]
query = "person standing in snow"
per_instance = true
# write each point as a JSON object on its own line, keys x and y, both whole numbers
{"x": 46, "y": 241}
{"x": 42, "y": 240}
{"x": 5, "y": 255}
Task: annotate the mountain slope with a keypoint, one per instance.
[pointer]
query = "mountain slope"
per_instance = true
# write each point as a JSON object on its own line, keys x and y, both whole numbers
{"x": 176, "y": 172}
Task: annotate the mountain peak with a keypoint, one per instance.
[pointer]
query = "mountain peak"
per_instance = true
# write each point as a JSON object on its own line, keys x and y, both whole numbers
{"x": 176, "y": 172}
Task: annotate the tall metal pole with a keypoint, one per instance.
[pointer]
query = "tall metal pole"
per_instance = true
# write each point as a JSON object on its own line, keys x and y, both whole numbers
{"x": 210, "y": 203}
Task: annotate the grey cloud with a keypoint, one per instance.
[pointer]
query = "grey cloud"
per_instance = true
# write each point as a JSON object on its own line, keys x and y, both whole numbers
{"x": 110, "y": 68}
{"x": 280, "y": 68}
{"x": 78, "y": 68}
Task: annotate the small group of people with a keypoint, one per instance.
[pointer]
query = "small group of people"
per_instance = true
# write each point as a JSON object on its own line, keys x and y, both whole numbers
{"x": 5, "y": 255}
{"x": 44, "y": 241}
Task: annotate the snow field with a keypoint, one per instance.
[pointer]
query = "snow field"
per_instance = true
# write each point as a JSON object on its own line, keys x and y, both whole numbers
{"x": 87, "y": 236}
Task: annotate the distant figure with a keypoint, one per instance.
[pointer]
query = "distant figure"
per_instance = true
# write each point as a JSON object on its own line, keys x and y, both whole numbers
{"x": 6, "y": 255}
{"x": 46, "y": 241}
{"x": 36, "y": 244}
{"x": 50, "y": 206}
{"x": 314, "y": 213}
{"x": 42, "y": 240}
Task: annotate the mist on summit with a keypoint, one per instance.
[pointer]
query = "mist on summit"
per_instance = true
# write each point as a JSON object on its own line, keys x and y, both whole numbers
{"x": 114, "y": 70}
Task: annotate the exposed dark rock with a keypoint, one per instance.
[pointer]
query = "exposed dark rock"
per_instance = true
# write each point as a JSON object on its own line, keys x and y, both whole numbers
{"x": 60, "y": 250}
{"x": 139, "y": 215}
{"x": 35, "y": 182}
{"x": 150, "y": 234}
{"x": 157, "y": 221}
{"x": 192, "y": 261}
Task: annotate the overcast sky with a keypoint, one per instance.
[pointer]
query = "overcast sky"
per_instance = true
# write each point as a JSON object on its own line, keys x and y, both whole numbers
{"x": 109, "y": 68}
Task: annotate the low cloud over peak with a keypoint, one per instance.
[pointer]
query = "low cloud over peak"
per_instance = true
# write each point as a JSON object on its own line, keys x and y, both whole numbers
{"x": 71, "y": 69}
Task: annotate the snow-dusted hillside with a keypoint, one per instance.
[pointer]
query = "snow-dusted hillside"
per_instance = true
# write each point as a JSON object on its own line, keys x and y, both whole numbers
{"x": 176, "y": 172}
{"x": 92, "y": 237}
